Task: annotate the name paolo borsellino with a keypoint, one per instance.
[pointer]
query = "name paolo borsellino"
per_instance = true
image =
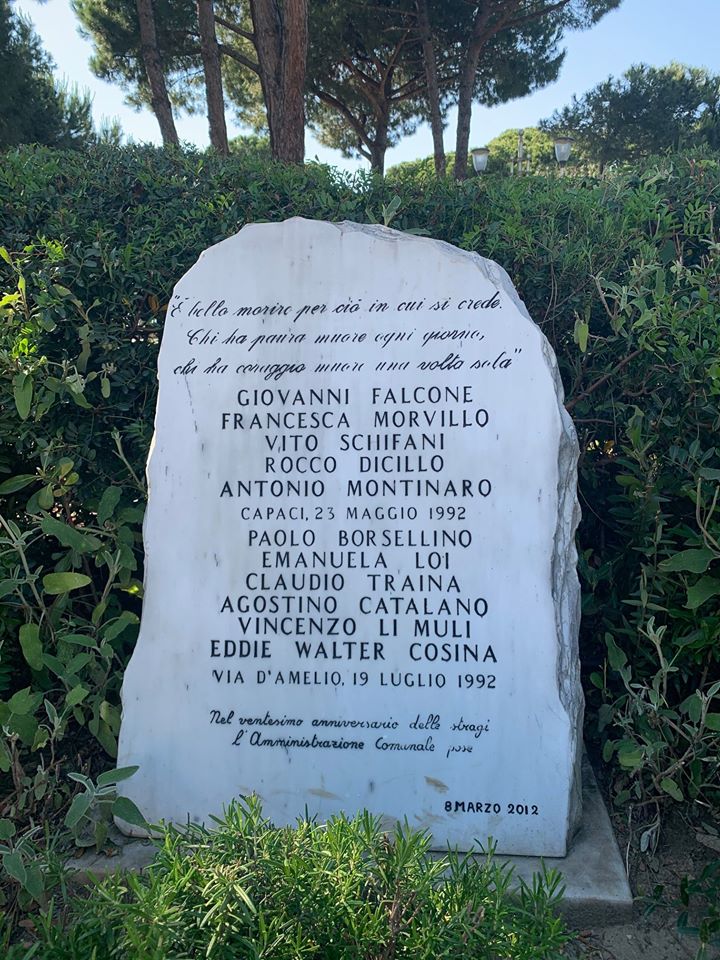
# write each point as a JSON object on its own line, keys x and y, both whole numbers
{"x": 438, "y": 630}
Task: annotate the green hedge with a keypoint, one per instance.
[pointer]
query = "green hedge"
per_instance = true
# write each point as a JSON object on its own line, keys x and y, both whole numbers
{"x": 622, "y": 276}
{"x": 342, "y": 891}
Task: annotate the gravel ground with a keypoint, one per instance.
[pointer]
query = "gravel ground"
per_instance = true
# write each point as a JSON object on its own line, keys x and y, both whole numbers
{"x": 681, "y": 849}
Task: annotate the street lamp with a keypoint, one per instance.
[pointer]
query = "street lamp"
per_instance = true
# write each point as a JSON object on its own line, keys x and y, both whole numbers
{"x": 563, "y": 146}
{"x": 480, "y": 158}
{"x": 520, "y": 155}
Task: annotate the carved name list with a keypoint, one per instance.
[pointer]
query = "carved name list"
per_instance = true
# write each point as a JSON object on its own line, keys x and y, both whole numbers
{"x": 360, "y": 568}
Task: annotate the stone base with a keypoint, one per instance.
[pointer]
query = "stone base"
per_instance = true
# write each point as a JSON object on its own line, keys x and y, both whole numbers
{"x": 130, "y": 854}
{"x": 597, "y": 892}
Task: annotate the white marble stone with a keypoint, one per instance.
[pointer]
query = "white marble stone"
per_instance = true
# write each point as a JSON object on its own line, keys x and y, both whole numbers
{"x": 334, "y": 626}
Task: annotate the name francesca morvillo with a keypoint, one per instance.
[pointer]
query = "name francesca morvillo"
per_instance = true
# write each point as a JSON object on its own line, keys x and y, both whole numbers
{"x": 422, "y": 412}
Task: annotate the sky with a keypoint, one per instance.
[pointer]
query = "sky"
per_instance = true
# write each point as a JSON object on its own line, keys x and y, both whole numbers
{"x": 654, "y": 32}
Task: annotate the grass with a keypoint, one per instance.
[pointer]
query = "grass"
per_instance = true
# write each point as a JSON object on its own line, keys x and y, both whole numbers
{"x": 344, "y": 890}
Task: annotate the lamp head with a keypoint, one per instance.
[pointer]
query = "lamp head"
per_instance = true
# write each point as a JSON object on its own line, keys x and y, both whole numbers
{"x": 480, "y": 158}
{"x": 563, "y": 146}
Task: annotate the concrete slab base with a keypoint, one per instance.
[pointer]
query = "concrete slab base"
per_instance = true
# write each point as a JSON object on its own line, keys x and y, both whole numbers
{"x": 129, "y": 854}
{"x": 597, "y": 892}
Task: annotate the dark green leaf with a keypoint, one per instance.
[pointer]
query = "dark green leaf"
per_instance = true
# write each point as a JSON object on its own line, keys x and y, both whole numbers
{"x": 105, "y": 737}
{"x": 31, "y": 645}
{"x": 45, "y": 497}
{"x": 705, "y": 588}
{"x": 692, "y": 706}
{"x": 672, "y": 789}
{"x": 19, "y": 482}
{"x": 108, "y": 502}
{"x": 616, "y": 656}
{"x": 25, "y": 726}
{"x": 116, "y": 627}
{"x": 630, "y": 756}
{"x": 51, "y": 712}
{"x": 126, "y": 810}
{"x": 115, "y": 776}
{"x": 23, "y": 393}
{"x": 79, "y": 640}
{"x": 14, "y": 867}
{"x": 7, "y": 587}
{"x": 76, "y": 695}
{"x": 69, "y": 536}
{"x": 78, "y": 808}
{"x": 605, "y": 715}
{"x": 79, "y": 661}
{"x": 691, "y": 561}
{"x": 7, "y": 829}
{"x": 55, "y": 583}
{"x": 34, "y": 883}
{"x": 22, "y": 702}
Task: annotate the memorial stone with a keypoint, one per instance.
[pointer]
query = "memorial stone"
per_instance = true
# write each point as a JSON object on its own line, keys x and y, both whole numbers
{"x": 360, "y": 584}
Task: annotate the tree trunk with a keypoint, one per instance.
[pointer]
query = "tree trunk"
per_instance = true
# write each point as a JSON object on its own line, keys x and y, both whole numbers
{"x": 378, "y": 148}
{"x": 156, "y": 78}
{"x": 465, "y": 101}
{"x": 433, "y": 89}
{"x": 213, "y": 78}
{"x": 484, "y": 28}
{"x": 266, "y": 28}
{"x": 281, "y": 39}
{"x": 295, "y": 46}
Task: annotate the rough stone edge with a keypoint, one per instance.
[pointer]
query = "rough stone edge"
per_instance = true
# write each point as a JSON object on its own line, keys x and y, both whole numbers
{"x": 565, "y": 583}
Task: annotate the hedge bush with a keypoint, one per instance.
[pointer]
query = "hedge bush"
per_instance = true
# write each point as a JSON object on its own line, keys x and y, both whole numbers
{"x": 621, "y": 274}
{"x": 339, "y": 891}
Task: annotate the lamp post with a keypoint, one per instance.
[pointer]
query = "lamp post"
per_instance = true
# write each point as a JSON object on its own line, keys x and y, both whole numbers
{"x": 480, "y": 158}
{"x": 520, "y": 151}
{"x": 563, "y": 147}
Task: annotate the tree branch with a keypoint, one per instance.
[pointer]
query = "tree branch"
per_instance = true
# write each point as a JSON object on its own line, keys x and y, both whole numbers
{"x": 598, "y": 383}
{"x": 521, "y": 21}
{"x": 411, "y": 84}
{"x": 241, "y": 58}
{"x": 394, "y": 57}
{"x": 368, "y": 83}
{"x": 234, "y": 28}
{"x": 338, "y": 105}
{"x": 408, "y": 95}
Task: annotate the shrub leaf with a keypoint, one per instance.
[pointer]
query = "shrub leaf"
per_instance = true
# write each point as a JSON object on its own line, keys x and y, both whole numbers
{"x": 78, "y": 808}
{"x": 672, "y": 789}
{"x": 17, "y": 483}
{"x": 55, "y": 583}
{"x": 31, "y": 645}
{"x": 124, "y": 808}
{"x": 701, "y": 591}
{"x": 68, "y": 536}
{"x": 115, "y": 776}
{"x": 690, "y": 561}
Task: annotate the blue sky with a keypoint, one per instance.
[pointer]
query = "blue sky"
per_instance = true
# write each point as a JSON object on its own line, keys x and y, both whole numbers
{"x": 640, "y": 31}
